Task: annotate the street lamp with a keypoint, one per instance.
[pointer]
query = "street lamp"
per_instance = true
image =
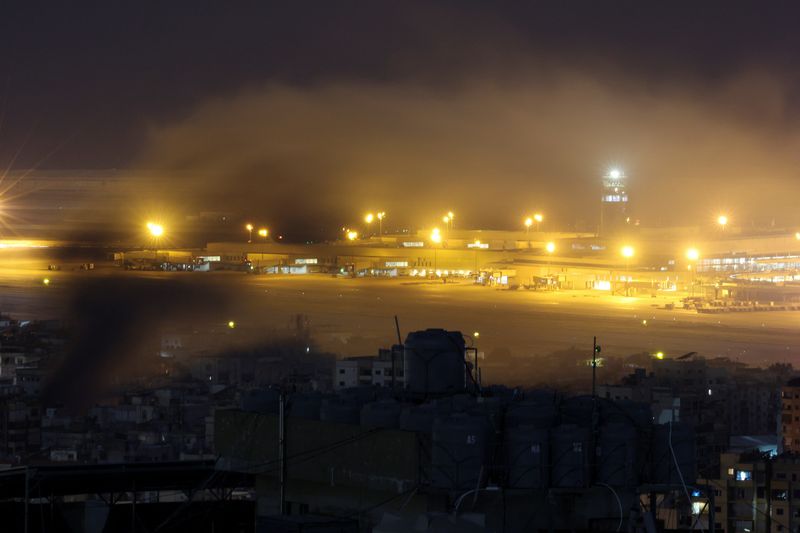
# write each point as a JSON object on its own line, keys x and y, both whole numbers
{"x": 538, "y": 218}
{"x": 263, "y": 233}
{"x": 352, "y": 235}
{"x": 627, "y": 253}
{"x": 452, "y": 218}
{"x": 692, "y": 254}
{"x": 249, "y": 228}
{"x": 550, "y": 247}
{"x": 722, "y": 220}
{"x": 368, "y": 218}
{"x": 528, "y": 223}
{"x": 381, "y": 216}
{"x": 156, "y": 232}
{"x": 436, "y": 236}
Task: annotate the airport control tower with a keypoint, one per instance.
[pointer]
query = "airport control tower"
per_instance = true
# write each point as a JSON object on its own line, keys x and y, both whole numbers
{"x": 614, "y": 216}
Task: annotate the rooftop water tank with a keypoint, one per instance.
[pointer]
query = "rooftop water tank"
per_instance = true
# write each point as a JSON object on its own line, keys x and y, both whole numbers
{"x": 459, "y": 452}
{"x": 577, "y": 410}
{"x": 665, "y": 469}
{"x": 434, "y": 362}
{"x": 527, "y": 452}
{"x": 570, "y": 452}
{"x": 536, "y": 413}
{"x": 380, "y": 414}
{"x": 618, "y": 461}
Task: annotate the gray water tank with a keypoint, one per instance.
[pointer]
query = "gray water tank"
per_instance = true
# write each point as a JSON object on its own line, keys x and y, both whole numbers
{"x": 343, "y": 411}
{"x": 434, "y": 362}
{"x": 570, "y": 448}
{"x": 542, "y": 414}
{"x": 381, "y": 414}
{"x": 527, "y": 452}
{"x": 459, "y": 452}
{"x": 577, "y": 410}
{"x": 418, "y": 418}
{"x": 618, "y": 461}
{"x": 637, "y": 413}
{"x": 305, "y": 406}
{"x": 683, "y": 444}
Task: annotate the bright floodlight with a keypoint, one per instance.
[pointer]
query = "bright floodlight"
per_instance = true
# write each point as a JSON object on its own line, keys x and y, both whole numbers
{"x": 538, "y": 217}
{"x": 451, "y": 215}
{"x": 263, "y": 232}
{"x": 659, "y": 355}
{"x": 231, "y": 324}
{"x": 352, "y": 235}
{"x": 692, "y": 254}
{"x": 369, "y": 218}
{"x": 249, "y": 227}
{"x": 381, "y": 215}
{"x": 436, "y": 236}
{"x": 615, "y": 173}
{"x": 445, "y": 219}
{"x": 156, "y": 230}
{"x": 722, "y": 220}
{"x": 627, "y": 251}
{"x": 797, "y": 235}
{"x": 551, "y": 247}
{"x": 528, "y": 222}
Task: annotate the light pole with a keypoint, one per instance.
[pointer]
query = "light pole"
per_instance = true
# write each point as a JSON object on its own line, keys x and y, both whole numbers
{"x": 436, "y": 238}
{"x": 692, "y": 255}
{"x": 538, "y": 218}
{"x": 156, "y": 232}
{"x": 381, "y": 216}
{"x": 249, "y": 228}
{"x": 452, "y": 218}
{"x": 528, "y": 224}
{"x": 368, "y": 218}
{"x": 722, "y": 220}
{"x": 627, "y": 253}
{"x": 550, "y": 248}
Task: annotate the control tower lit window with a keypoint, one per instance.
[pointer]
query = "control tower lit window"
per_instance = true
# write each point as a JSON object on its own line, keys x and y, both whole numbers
{"x": 614, "y": 217}
{"x": 614, "y": 186}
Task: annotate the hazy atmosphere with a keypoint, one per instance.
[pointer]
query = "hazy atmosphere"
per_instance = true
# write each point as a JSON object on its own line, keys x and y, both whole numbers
{"x": 399, "y": 266}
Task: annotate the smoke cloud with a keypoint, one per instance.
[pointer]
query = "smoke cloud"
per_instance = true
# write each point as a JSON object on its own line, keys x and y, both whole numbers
{"x": 314, "y": 158}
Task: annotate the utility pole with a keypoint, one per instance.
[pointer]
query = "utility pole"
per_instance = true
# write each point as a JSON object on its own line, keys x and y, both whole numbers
{"x": 594, "y": 367}
{"x": 282, "y": 448}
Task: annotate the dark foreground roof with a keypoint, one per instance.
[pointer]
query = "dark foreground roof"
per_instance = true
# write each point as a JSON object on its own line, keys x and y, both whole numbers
{"x": 92, "y": 479}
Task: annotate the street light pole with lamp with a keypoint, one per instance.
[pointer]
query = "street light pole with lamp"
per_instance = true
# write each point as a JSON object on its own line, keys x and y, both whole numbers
{"x": 528, "y": 223}
{"x": 627, "y": 253}
{"x": 249, "y": 228}
{"x": 722, "y": 220}
{"x": 692, "y": 255}
{"x": 381, "y": 216}
{"x": 156, "y": 232}
{"x": 538, "y": 217}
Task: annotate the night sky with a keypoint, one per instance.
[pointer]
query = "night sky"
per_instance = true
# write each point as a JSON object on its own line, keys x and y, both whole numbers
{"x": 529, "y": 103}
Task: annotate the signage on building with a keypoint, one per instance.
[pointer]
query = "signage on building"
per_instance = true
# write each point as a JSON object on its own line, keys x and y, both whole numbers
{"x": 395, "y": 264}
{"x": 309, "y": 261}
{"x": 413, "y": 244}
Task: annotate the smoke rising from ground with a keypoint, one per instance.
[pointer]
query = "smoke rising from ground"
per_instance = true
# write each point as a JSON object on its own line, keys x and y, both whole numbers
{"x": 114, "y": 329}
{"x": 309, "y": 158}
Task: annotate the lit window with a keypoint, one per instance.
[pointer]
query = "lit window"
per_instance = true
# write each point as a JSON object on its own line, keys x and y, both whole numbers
{"x": 744, "y": 475}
